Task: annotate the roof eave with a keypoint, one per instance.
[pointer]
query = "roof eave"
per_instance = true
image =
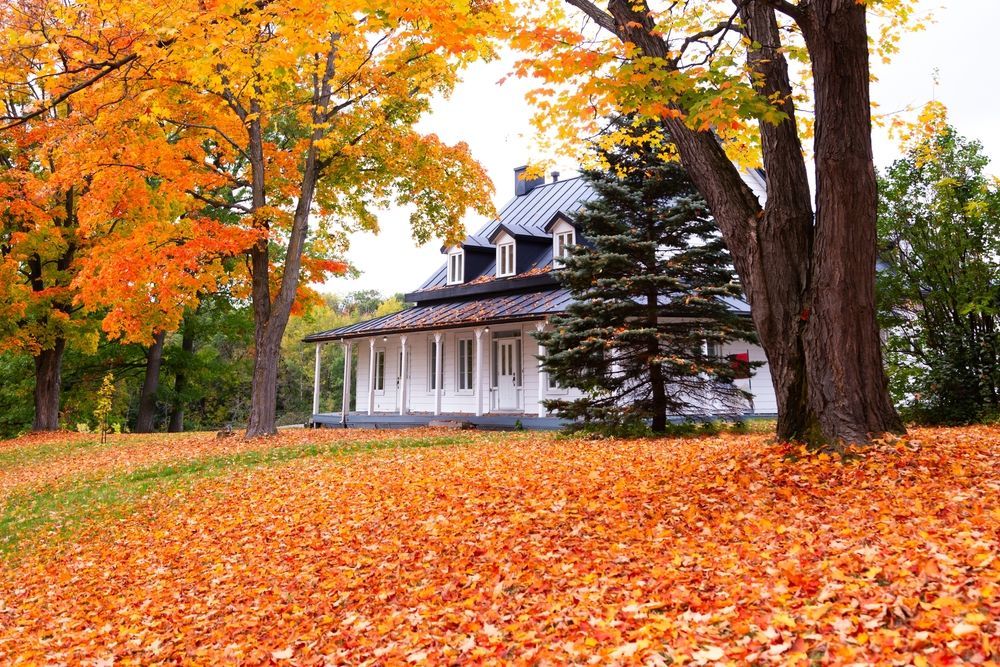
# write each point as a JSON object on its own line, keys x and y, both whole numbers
{"x": 374, "y": 333}
{"x": 495, "y": 286}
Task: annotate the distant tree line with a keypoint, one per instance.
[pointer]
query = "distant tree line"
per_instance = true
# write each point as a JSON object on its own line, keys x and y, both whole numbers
{"x": 196, "y": 378}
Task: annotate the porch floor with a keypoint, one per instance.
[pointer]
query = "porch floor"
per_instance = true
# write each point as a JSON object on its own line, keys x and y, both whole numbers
{"x": 503, "y": 421}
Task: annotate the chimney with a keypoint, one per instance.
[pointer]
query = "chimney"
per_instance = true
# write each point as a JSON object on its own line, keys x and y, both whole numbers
{"x": 523, "y": 186}
{"x": 555, "y": 176}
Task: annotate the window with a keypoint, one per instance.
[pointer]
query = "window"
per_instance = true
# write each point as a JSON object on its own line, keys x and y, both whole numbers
{"x": 551, "y": 383}
{"x": 432, "y": 377}
{"x": 505, "y": 259}
{"x": 713, "y": 349}
{"x": 561, "y": 244}
{"x": 465, "y": 364}
{"x": 456, "y": 267}
{"x": 380, "y": 370}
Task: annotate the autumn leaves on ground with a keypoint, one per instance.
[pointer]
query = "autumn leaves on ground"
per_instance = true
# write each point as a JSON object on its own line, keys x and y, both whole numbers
{"x": 334, "y": 547}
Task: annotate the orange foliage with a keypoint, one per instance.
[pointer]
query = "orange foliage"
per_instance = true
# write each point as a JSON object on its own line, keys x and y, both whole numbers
{"x": 527, "y": 549}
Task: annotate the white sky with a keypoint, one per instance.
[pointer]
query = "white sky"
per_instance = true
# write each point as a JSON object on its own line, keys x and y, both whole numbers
{"x": 494, "y": 120}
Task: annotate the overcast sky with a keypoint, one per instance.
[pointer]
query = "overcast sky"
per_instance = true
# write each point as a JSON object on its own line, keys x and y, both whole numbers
{"x": 494, "y": 120}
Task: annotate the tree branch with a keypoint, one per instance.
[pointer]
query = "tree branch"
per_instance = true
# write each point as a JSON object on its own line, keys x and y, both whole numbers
{"x": 86, "y": 83}
{"x": 599, "y": 16}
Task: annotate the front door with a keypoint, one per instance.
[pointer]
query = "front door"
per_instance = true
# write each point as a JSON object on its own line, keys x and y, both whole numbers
{"x": 506, "y": 375}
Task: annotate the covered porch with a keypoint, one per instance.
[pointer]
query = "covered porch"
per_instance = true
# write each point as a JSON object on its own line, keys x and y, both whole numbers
{"x": 489, "y": 376}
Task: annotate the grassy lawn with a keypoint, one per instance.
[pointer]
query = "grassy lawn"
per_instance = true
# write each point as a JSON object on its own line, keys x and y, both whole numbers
{"x": 58, "y": 508}
{"x": 336, "y": 547}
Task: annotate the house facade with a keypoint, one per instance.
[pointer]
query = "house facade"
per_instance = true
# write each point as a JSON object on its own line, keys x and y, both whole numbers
{"x": 466, "y": 348}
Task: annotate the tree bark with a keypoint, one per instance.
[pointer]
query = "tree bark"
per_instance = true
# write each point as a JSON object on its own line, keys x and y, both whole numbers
{"x": 176, "y": 424}
{"x": 809, "y": 278}
{"x": 48, "y": 386}
{"x": 784, "y": 233}
{"x": 271, "y": 316}
{"x": 150, "y": 385}
{"x": 848, "y": 387}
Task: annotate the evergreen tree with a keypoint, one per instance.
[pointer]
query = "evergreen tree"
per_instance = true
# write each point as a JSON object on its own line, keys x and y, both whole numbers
{"x": 650, "y": 277}
{"x": 939, "y": 294}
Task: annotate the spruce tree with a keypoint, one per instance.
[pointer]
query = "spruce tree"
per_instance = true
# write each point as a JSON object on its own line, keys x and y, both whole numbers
{"x": 650, "y": 277}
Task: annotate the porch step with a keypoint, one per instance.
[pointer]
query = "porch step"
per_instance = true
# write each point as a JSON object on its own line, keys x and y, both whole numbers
{"x": 456, "y": 424}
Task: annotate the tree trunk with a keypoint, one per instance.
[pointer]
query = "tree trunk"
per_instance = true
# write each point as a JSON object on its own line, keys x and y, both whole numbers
{"x": 48, "y": 386}
{"x": 810, "y": 279}
{"x": 848, "y": 388}
{"x": 271, "y": 318}
{"x": 781, "y": 256}
{"x": 264, "y": 393}
{"x": 176, "y": 424}
{"x": 150, "y": 385}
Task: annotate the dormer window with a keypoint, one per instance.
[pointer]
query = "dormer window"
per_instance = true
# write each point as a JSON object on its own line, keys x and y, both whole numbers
{"x": 506, "y": 259}
{"x": 563, "y": 238}
{"x": 561, "y": 243}
{"x": 456, "y": 267}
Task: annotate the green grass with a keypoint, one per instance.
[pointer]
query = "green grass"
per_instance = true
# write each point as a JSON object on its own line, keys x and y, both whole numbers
{"x": 59, "y": 511}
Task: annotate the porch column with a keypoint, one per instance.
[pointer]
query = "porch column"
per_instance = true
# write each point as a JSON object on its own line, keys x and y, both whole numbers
{"x": 316, "y": 376}
{"x": 404, "y": 385}
{"x": 543, "y": 377}
{"x": 345, "y": 399}
{"x": 371, "y": 376}
{"x": 437, "y": 373}
{"x": 479, "y": 372}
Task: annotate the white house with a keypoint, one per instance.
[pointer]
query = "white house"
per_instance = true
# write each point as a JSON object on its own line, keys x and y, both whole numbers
{"x": 465, "y": 349}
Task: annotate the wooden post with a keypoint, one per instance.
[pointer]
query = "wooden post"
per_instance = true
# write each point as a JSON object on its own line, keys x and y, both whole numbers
{"x": 345, "y": 399}
{"x": 437, "y": 373}
{"x": 543, "y": 377}
{"x": 404, "y": 385}
{"x": 371, "y": 376}
{"x": 479, "y": 372}
{"x": 316, "y": 376}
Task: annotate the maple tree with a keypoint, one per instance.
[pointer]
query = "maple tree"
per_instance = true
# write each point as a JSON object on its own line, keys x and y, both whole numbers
{"x": 728, "y": 81}
{"x": 728, "y": 549}
{"x": 97, "y": 230}
{"x": 307, "y": 112}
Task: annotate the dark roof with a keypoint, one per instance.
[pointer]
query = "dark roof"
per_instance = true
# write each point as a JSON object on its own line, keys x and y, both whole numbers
{"x": 529, "y": 213}
{"x": 555, "y": 219}
{"x": 518, "y": 307}
{"x": 525, "y": 217}
{"x": 488, "y": 283}
{"x": 487, "y": 310}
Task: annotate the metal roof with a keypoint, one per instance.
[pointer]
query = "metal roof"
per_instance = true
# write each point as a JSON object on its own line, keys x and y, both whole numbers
{"x": 519, "y": 307}
{"x": 526, "y": 216}
{"x": 529, "y": 215}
